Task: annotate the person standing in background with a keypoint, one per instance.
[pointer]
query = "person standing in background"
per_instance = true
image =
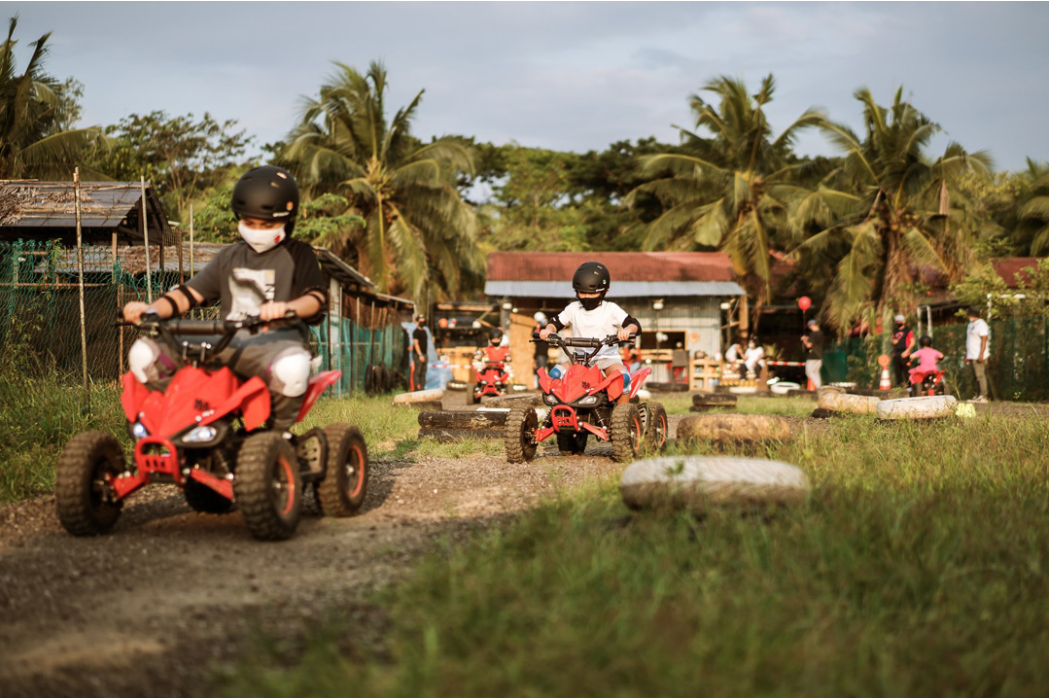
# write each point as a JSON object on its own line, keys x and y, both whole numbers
{"x": 903, "y": 344}
{"x": 814, "y": 343}
{"x": 419, "y": 354}
{"x": 540, "y": 348}
{"x": 977, "y": 351}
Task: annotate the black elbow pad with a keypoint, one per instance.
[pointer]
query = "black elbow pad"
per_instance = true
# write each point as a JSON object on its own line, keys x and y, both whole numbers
{"x": 629, "y": 320}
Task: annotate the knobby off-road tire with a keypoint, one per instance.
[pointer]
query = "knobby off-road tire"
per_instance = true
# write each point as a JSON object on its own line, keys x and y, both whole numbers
{"x": 204, "y": 499}
{"x": 625, "y": 432}
{"x": 87, "y": 464}
{"x": 519, "y": 439}
{"x": 343, "y": 489}
{"x": 268, "y": 486}
{"x": 656, "y": 427}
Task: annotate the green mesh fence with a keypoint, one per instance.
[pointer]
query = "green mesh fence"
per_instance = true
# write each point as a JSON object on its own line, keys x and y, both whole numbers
{"x": 40, "y": 319}
{"x": 1017, "y": 368}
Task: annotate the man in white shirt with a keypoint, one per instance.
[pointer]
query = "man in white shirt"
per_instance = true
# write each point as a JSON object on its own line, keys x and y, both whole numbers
{"x": 753, "y": 357}
{"x": 977, "y": 351}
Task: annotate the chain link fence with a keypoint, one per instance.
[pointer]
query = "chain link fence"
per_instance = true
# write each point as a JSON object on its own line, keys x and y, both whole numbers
{"x": 1018, "y": 367}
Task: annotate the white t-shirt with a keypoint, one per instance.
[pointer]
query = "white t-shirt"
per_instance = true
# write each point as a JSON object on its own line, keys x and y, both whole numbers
{"x": 733, "y": 353}
{"x": 752, "y": 355}
{"x": 599, "y": 323}
{"x": 974, "y": 331}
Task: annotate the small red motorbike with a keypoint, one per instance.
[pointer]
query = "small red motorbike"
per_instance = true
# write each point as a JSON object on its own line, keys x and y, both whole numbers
{"x": 582, "y": 403}
{"x": 493, "y": 378}
{"x": 926, "y": 383}
{"x": 207, "y": 434}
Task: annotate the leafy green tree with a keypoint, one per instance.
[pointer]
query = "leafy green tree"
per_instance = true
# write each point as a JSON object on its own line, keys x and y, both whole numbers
{"x": 182, "y": 156}
{"x": 889, "y": 211}
{"x": 1030, "y": 230}
{"x": 419, "y": 237}
{"x": 36, "y": 114}
{"x": 732, "y": 191}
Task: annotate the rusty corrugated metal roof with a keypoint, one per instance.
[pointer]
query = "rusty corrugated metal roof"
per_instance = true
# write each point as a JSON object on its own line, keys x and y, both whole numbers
{"x": 1007, "y": 267}
{"x": 623, "y": 266}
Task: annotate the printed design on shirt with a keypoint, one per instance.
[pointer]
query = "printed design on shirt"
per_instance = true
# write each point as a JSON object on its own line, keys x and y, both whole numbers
{"x": 249, "y": 290}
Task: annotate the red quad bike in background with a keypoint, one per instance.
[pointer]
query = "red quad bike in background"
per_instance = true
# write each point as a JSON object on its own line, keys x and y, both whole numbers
{"x": 207, "y": 434}
{"x": 926, "y": 383}
{"x": 583, "y": 403}
{"x": 493, "y": 378}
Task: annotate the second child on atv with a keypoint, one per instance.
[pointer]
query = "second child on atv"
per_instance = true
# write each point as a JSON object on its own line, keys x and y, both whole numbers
{"x": 592, "y": 395}
{"x": 491, "y": 366}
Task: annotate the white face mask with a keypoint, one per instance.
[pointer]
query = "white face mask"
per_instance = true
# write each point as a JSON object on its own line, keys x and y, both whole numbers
{"x": 261, "y": 240}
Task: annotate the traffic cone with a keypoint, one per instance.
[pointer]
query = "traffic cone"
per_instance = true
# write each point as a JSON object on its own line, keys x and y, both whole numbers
{"x": 884, "y": 382}
{"x": 809, "y": 384}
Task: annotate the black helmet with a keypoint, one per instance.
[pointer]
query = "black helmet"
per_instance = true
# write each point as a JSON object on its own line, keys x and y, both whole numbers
{"x": 925, "y": 341}
{"x": 496, "y": 333}
{"x": 269, "y": 193}
{"x": 591, "y": 277}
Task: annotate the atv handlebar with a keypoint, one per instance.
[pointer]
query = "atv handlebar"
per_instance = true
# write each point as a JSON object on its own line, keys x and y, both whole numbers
{"x": 587, "y": 342}
{"x": 227, "y": 329}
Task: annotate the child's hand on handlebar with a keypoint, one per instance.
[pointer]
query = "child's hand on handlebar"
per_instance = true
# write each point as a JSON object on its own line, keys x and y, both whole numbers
{"x": 134, "y": 310}
{"x": 274, "y": 310}
{"x": 624, "y": 334}
{"x": 546, "y": 332}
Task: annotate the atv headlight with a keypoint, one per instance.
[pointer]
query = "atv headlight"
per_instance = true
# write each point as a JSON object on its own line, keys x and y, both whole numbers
{"x": 587, "y": 401}
{"x": 199, "y": 435}
{"x": 139, "y": 431}
{"x": 551, "y": 399}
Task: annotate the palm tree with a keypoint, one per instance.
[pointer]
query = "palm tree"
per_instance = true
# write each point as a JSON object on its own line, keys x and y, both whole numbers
{"x": 1030, "y": 233}
{"x": 419, "y": 235}
{"x": 729, "y": 192}
{"x": 890, "y": 210}
{"x": 32, "y": 143}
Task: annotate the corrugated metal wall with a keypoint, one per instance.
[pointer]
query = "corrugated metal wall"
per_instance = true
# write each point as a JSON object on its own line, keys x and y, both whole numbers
{"x": 700, "y": 317}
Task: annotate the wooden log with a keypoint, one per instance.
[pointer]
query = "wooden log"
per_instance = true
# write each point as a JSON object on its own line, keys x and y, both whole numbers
{"x": 713, "y": 399}
{"x": 419, "y": 396}
{"x": 734, "y": 428}
{"x": 462, "y": 419}
{"x": 450, "y": 435}
{"x": 530, "y": 399}
{"x": 698, "y": 484}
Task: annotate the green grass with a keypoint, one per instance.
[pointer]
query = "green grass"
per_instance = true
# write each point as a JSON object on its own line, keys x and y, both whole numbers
{"x": 679, "y": 403}
{"x": 917, "y": 567}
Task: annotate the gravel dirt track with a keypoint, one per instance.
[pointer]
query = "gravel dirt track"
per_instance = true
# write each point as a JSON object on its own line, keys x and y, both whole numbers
{"x": 170, "y": 595}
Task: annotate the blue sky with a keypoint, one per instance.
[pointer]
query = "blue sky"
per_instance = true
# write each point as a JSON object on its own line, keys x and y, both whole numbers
{"x": 565, "y": 76}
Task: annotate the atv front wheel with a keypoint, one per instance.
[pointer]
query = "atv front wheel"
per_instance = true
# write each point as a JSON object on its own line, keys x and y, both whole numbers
{"x": 204, "y": 499}
{"x": 268, "y": 486}
{"x": 519, "y": 435}
{"x": 625, "y": 432}
{"x": 84, "y": 483}
{"x": 342, "y": 491}
{"x": 655, "y": 426}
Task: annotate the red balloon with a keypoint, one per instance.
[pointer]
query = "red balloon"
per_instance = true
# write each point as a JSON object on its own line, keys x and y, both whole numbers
{"x": 804, "y": 302}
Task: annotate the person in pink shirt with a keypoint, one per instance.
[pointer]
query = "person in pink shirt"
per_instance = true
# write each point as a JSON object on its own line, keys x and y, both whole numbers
{"x": 927, "y": 356}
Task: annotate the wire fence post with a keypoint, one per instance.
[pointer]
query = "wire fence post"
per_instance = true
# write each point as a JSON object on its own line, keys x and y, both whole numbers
{"x": 80, "y": 287}
{"x": 145, "y": 240}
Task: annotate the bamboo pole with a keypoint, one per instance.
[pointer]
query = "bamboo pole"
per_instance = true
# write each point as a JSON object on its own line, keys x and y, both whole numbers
{"x": 191, "y": 241}
{"x": 80, "y": 270}
{"x": 145, "y": 240}
{"x": 120, "y": 307}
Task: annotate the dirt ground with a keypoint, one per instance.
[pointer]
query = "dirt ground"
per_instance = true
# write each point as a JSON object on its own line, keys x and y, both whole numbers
{"x": 171, "y": 596}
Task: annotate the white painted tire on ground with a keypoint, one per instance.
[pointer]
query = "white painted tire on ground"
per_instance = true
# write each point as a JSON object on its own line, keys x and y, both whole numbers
{"x": 784, "y": 387}
{"x": 926, "y": 407}
{"x": 419, "y": 396}
{"x": 644, "y": 394}
{"x": 836, "y": 400}
{"x": 698, "y": 483}
{"x": 743, "y": 390}
{"x": 732, "y": 427}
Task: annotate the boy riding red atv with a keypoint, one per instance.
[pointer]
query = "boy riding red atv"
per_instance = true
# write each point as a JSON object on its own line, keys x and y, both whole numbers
{"x": 592, "y": 395}
{"x": 492, "y": 374}
{"x": 926, "y": 378}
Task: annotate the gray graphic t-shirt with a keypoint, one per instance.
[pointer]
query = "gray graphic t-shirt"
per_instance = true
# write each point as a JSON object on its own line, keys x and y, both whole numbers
{"x": 243, "y": 280}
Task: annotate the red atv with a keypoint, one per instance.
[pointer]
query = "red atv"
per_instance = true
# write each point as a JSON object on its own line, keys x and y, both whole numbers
{"x": 583, "y": 403}
{"x": 926, "y": 383}
{"x": 493, "y": 378}
{"x": 207, "y": 434}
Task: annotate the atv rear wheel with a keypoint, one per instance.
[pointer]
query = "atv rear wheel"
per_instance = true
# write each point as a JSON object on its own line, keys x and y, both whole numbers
{"x": 519, "y": 435}
{"x": 83, "y": 483}
{"x": 655, "y": 426}
{"x": 204, "y": 499}
{"x": 625, "y": 432}
{"x": 268, "y": 486}
{"x": 342, "y": 491}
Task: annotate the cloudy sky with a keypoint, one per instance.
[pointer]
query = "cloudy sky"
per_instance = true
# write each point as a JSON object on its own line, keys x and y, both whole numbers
{"x": 565, "y": 76}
